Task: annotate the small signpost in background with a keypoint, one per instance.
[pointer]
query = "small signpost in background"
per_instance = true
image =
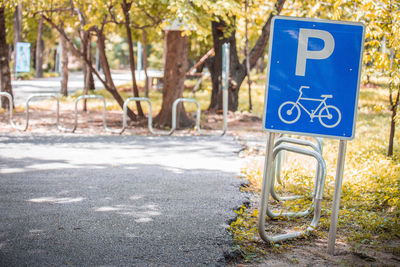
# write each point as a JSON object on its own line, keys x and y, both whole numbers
{"x": 139, "y": 65}
{"x": 225, "y": 82}
{"x": 313, "y": 79}
{"x": 22, "y": 57}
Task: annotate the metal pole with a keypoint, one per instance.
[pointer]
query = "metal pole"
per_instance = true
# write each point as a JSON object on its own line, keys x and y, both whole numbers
{"x": 139, "y": 58}
{"x": 225, "y": 83}
{"x": 336, "y": 197}
{"x": 266, "y": 185}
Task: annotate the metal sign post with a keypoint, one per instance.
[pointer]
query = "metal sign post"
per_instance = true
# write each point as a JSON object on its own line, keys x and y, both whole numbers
{"x": 139, "y": 58}
{"x": 312, "y": 88}
{"x": 336, "y": 197}
{"x": 225, "y": 82}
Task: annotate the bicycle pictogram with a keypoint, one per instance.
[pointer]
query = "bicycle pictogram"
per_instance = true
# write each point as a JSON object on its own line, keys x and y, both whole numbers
{"x": 329, "y": 116}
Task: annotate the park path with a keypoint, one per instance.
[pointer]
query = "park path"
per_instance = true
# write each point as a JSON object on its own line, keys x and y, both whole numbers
{"x": 22, "y": 89}
{"x": 117, "y": 200}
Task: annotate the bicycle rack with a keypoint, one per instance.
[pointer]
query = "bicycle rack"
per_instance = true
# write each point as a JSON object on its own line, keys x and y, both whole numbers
{"x": 276, "y": 171}
{"x": 30, "y": 98}
{"x": 150, "y": 116}
{"x": 319, "y": 177}
{"x": 174, "y": 107}
{"x": 271, "y": 154}
{"x": 104, "y": 113}
{"x": 281, "y": 157}
{"x": 125, "y": 108}
{"x": 10, "y": 100}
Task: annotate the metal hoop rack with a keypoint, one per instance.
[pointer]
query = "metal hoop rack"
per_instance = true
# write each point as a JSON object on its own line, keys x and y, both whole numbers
{"x": 272, "y": 167}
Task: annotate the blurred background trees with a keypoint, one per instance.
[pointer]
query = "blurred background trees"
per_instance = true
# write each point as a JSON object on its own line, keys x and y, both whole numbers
{"x": 106, "y": 34}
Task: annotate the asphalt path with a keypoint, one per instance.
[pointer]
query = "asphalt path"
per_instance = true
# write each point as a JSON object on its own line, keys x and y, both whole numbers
{"x": 72, "y": 200}
{"x": 22, "y": 89}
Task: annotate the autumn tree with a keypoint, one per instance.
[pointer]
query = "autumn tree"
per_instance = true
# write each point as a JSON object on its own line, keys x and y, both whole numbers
{"x": 140, "y": 16}
{"x": 64, "y": 15}
{"x": 224, "y": 31}
{"x": 382, "y": 54}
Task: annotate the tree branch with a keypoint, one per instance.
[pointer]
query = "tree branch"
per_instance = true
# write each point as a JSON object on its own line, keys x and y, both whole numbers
{"x": 259, "y": 48}
{"x": 74, "y": 49}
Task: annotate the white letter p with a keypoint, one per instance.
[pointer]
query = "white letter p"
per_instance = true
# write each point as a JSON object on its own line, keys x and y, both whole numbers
{"x": 302, "y": 49}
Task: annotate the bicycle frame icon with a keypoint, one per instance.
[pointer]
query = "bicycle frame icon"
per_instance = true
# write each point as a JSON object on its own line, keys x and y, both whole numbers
{"x": 329, "y": 116}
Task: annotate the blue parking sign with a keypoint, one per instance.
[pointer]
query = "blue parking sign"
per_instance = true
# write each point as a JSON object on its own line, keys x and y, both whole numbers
{"x": 313, "y": 77}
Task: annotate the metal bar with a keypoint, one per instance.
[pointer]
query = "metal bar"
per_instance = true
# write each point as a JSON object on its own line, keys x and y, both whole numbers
{"x": 31, "y": 97}
{"x": 278, "y": 167}
{"x": 104, "y": 113}
{"x": 267, "y": 180}
{"x": 10, "y": 100}
{"x": 318, "y": 184}
{"x": 150, "y": 116}
{"x": 275, "y": 173}
{"x": 174, "y": 114}
{"x": 266, "y": 185}
{"x": 336, "y": 197}
{"x": 225, "y": 84}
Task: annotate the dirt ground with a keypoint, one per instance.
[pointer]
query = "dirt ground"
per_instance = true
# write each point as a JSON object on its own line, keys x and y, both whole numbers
{"x": 244, "y": 127}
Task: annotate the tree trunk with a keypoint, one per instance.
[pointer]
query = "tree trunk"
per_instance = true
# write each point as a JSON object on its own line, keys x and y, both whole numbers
{"x": 84, "y": 35}
{"x": 109, "y": 84}
{"x": 17, "y": 27}
{"x": 215, "y": 66}
{"x": 89, "y": 81}
{"x": 64, "y": 66}
{"x": 248, "y": 58}
{"x": 5, "y": 76}
{"x": 392, "y": 132}
{"x": 39, "y": 50}
{"x": 237, "y": 70}
{"x": 175, "y": 67}
{"x": 135, "y": 90}
{"x": 146, "y": 76}
{"x": 394, "y": 104}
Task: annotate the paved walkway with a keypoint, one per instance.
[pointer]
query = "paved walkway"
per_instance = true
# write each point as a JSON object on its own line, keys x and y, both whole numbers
{"x": 117, "y": 200}
{"x": 22, "y": 89}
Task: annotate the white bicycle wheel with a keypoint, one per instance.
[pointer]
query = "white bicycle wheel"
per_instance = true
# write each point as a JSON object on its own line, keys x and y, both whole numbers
{"x": 289, "y": 112}
{"x": 329, "y": 116}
